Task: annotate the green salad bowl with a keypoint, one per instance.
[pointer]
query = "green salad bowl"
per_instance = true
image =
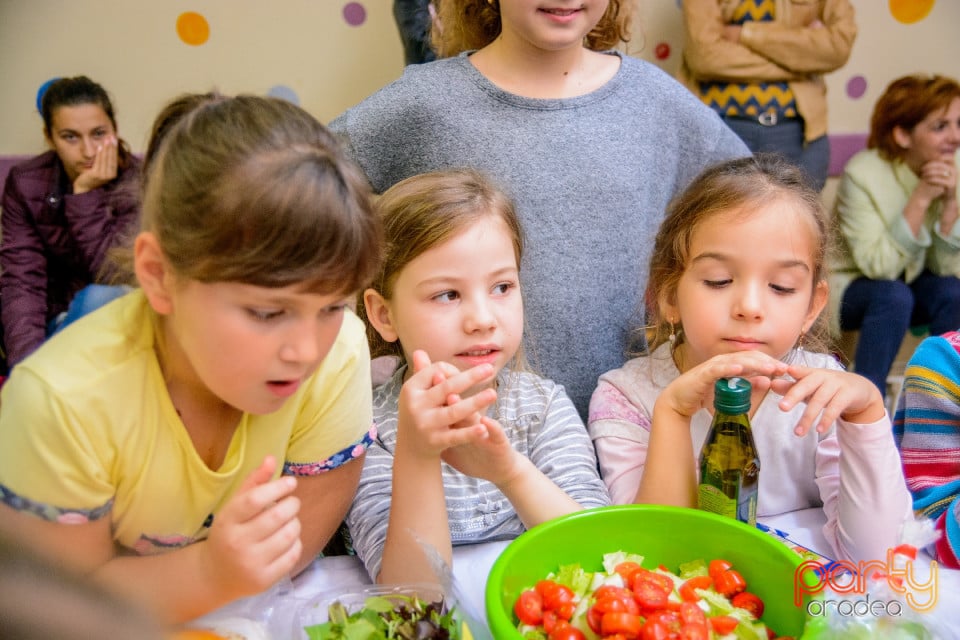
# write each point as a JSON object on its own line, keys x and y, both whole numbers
{"x": 663, "y": 535}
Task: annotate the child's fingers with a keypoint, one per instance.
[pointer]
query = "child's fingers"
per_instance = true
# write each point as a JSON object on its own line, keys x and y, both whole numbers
{"x": 477, "y": 403}
{"x": 495, "y": 432}
{"x": 420, "y": 360}
{"x": 466, "y": 435}
{"x": 246, "y": 505}
{"x": 260, "y": 475}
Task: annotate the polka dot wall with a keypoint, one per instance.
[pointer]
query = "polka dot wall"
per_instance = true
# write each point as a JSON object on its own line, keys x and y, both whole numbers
{"x": 326, "y": 55}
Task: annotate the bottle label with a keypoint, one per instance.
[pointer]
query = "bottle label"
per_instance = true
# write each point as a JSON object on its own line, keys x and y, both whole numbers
{"x": 712, "y": 499}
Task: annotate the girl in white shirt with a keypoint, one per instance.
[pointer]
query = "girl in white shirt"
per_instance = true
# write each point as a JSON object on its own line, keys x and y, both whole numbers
{"x": 737, "y": 285}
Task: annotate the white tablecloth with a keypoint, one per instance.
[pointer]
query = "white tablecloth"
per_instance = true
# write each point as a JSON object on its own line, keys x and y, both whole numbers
{"x": 276, "y": 615}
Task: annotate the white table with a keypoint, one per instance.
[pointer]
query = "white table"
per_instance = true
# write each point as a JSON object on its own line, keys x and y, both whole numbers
{"x": 277, "y": 611}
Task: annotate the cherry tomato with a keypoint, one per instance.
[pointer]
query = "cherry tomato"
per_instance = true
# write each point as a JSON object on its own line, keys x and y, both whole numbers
{"x": 624, "y": 623}
{"x": 724, "y": 624}
{"x": 729, "y": 583}
{"x": 529, "y": 607}
{"x": 692, "y": 614}
{"x": 669, "y": 619}
{"x": 627, "y": 571}
{"x": 549, "y": 620}
{"x": 663, "y": 580}
{"x": 749, "y": 601}
{"x": 610, "y": 604}
{"x": 554, "y": 595}
{"x": 616, "y": 599}
{"x": 688, "y": 589}
{"x": 718, "y": 566}
{"x": 694, "y": 632}
{"x": 566, "y": 631}
{"x": 654, "y": 630}
{"x": 609, "y": 590}
{"x": 650, "y": 593}
{"x": 594, "y": 617}
{"x": 566, "y": 610}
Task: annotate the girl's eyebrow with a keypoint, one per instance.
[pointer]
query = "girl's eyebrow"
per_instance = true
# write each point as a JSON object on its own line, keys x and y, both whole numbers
{"x": 721, "y": 257}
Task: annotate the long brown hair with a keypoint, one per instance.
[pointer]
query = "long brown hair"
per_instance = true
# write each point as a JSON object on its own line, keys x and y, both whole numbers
{"x": 723, "y": 187}
{"x": 253, "y": 189}
{"x": 424, "y": 211}
{"x": 76, "y": 91}
{"x": 465, "y": 25}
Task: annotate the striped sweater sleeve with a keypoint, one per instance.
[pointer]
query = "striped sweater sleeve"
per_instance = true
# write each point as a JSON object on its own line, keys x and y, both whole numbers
{"x": 927, "y": 431}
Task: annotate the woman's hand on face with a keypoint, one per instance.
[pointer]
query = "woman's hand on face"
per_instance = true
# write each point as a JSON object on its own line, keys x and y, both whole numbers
{"x": 693, "y": 390}
{"x": 938, "y": 178}
{"x": 255, "y": 539}
{"x": 104, "y": 168}
{"x": 829, "y": 395}
{"x": 432, "y": 415}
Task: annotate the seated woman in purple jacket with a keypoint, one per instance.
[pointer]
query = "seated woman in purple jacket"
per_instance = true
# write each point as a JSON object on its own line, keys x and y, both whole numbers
{"x": 62, "y": 211}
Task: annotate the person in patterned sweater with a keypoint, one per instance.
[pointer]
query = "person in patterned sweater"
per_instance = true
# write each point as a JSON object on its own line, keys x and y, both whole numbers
{"x": 926, "y": 428}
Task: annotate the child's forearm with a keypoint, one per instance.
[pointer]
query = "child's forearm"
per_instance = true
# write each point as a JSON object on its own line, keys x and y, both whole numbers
{"x": 669, "y": 474}
{"x": 535, "y": 497}
{"x": 176, "y": 587}
{"x": 418, "y": 516}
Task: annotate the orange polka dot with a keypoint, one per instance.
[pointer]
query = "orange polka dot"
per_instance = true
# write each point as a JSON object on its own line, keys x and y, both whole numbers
{"x": 910, "y": 11}
{"x": 193, "y": 28}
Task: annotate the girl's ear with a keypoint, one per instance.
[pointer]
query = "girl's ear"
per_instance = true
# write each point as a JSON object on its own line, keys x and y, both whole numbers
{"x": 669, "y": 310}
{"x": 902, "y": 137}
{"x": 153, "y": 272}
{"x": 821, "y": 293}
{"x": 378, "y": 313}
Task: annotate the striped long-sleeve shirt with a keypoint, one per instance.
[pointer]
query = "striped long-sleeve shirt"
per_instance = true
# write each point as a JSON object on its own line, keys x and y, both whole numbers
{"x": 927, "y": 430}
{"x": 541, "y": 423}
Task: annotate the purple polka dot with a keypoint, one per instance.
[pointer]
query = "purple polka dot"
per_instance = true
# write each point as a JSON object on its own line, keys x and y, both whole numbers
{"x": 285, "y": 93}
{"x": 354, "y": 14}
{"x": 856, "y": 87}
{"x": 42, "y": 90}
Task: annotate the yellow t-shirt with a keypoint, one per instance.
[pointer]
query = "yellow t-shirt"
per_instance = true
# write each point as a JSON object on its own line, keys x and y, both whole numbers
{"x": 88, "y": 430}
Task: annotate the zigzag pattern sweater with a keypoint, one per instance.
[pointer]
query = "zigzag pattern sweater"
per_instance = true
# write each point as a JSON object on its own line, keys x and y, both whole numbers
{"x": 927, "y": 431}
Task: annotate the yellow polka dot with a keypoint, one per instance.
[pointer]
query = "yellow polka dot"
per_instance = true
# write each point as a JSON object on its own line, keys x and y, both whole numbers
{"x": 910, "y": 11}
{"x": 193, "y": 28}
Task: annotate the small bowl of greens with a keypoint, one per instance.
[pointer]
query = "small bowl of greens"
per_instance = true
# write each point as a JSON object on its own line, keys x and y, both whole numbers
{"x": 382, "y": 612}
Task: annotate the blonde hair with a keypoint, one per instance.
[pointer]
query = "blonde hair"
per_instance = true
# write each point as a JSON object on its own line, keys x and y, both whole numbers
{"x": 465, "y": 25}
{"x": 254, "y": 190}
{"x": 424, "y": 211}
{"x": 721, "y": 188}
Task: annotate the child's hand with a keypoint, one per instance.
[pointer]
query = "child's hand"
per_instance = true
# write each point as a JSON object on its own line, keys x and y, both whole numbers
{"x": 492, "y": 458}
{"x": 104, "y": 168}
{"x": 837, "y": 394}
{"x": 432, "y": 416}
{"x": 693, "y": 390}
{"x": 255, "y": 539}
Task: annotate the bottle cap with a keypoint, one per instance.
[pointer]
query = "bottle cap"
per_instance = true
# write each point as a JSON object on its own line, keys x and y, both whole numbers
{"x": 732, "y": 395}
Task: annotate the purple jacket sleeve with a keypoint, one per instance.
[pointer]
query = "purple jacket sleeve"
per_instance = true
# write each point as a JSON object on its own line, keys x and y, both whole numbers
{"x": 23, "y": 283}
{"x": 99, "y": 219}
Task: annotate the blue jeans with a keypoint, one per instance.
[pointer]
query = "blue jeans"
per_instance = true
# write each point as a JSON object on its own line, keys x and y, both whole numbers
{"x": 883, "y": 310}
{"x": 88, "y": 299}
{"x": 786, "y": 138}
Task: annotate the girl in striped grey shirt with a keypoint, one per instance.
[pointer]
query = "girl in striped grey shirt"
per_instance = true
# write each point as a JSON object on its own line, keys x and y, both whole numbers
{"x": 472, "y": 447}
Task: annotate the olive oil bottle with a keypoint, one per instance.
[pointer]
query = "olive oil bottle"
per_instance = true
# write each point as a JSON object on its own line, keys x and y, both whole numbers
{"x": 729, "y": 465}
